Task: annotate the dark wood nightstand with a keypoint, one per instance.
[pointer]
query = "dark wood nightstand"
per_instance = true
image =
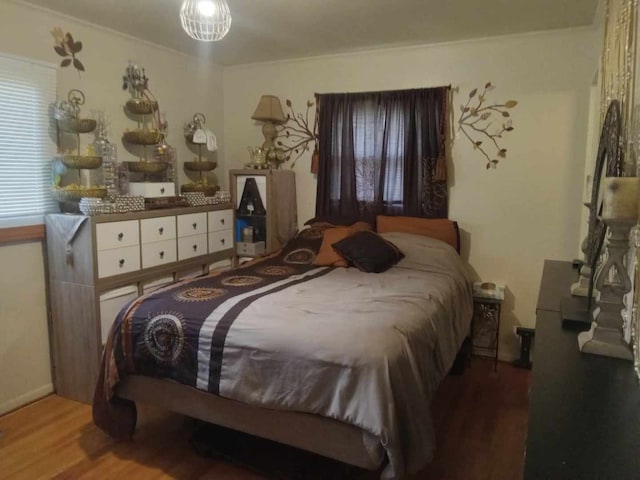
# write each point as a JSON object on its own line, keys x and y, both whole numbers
{"x": 485, "y": 329}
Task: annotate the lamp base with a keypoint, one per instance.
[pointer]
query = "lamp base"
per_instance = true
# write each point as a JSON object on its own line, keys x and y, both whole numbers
{"x": 270, "y": 133}
{"x": 604, "y": 341}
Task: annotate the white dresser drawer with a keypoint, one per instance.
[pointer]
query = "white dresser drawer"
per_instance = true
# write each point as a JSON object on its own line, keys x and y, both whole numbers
{"x": 221, "y": 240}
{"x": 157, "y": 229}
{"x": 118, "y": 261}
{"x": 158, "y": 253}
{"x": 220, "y": 220}
{"x": 191, "y": 273}
{"x": 111, "y": 302}
{"x": 117, "y": 234}
{"x": 152, "y": 189}
{"x": 193, "y": 246}
{"x": 192, "y": 224}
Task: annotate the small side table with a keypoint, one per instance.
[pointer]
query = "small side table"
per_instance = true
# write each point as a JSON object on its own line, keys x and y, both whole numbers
{"x": 485, "y": 329}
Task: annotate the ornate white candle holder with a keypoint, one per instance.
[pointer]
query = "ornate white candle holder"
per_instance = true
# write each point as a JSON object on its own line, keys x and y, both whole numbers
{"x": 606, "y": 336}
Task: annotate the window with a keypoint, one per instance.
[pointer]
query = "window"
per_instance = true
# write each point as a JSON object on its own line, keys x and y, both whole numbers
{"x": 27, "y": 89}
{"x": 378, "y": 132}
{"x": 382, "y": 153}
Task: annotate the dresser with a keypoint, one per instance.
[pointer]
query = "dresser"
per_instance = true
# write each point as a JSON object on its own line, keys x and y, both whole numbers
{"x": 98, "y": 264}
{"x": 584, "y": 412}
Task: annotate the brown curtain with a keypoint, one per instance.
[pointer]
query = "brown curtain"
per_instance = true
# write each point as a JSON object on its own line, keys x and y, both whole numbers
{"x": 382, "y": 153}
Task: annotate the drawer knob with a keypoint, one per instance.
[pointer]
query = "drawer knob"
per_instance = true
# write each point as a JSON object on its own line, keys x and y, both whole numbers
{"x": 195, "y": 247}
{"x": 162, "y": 190}
{"x": 222, "y": 241}
{"x": 222, "y": 221}
{"x": 161, "y": 254}
{"x": 161, "y": 230}
{"x": 121, "y": 262}
{"x": 120, "y": 236}
{"x": 194, "y": 225}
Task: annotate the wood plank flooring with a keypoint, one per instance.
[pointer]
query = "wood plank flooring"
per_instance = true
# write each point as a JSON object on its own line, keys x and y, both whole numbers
{"x": 480, "y": 419}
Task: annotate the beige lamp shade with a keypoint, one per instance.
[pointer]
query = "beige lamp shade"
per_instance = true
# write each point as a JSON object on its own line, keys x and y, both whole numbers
{"x": 269, "y": 110}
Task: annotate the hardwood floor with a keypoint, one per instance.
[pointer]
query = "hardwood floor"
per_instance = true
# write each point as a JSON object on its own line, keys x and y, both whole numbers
{"x": 480, "y": 419}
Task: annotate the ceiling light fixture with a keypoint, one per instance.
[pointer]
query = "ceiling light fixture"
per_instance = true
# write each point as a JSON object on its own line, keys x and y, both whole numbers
{"x": 205, "y": 20}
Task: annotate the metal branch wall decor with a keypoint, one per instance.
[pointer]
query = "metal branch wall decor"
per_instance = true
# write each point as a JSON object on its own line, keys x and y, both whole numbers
{"x": 67, "y": 47}
{"x": 296, "y": 136}
{"x": 484, "y": 124}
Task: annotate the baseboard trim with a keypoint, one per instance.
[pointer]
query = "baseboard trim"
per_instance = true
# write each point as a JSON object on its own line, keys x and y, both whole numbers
{"x": 26, "y": 398}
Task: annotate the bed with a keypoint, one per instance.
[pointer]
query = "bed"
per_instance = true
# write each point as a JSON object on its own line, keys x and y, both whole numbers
{"x": 332, "y": 360}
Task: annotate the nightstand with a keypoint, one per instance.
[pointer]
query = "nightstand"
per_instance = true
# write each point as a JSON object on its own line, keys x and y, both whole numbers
{"x": 485, "y": 329}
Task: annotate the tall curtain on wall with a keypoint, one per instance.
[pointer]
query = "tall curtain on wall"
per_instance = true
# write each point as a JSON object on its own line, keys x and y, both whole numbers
{"x": 383, "y": 153}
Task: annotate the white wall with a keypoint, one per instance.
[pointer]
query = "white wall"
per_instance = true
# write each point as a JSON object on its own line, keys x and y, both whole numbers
{"x": 513, "y": 217}
{"x": 183, "y": 85}
{"x": 25, "y": 371}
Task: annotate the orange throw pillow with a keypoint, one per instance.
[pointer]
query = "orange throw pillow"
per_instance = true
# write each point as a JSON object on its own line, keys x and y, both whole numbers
{"x": 361, "y": 226}
{"x": 327, "y": 256}
{"x": 438, "y": 228}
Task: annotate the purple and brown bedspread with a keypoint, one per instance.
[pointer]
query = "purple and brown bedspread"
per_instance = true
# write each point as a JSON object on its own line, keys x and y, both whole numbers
{"x": 366, "y": 349}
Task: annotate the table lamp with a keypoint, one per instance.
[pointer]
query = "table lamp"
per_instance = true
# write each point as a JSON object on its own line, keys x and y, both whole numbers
{"x": 269, "y": 110}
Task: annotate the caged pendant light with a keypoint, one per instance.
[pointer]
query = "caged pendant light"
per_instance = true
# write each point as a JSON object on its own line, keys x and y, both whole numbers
{"x": 205, "y": 20}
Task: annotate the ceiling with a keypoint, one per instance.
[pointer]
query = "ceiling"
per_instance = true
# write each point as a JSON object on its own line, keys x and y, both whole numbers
{"x": 263, "y": 30}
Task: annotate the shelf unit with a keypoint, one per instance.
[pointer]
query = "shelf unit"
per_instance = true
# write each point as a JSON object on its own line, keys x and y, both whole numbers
{"x": 277, "y": 190}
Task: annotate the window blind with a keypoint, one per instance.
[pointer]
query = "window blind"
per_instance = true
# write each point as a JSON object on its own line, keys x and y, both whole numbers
{"x": 27, "y": 146}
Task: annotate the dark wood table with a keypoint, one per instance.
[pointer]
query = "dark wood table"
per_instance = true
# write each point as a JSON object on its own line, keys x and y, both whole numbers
{"x": 584, "y": 417}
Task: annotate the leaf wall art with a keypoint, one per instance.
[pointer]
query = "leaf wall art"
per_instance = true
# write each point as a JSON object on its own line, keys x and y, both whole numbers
{"x": 484, "y": 124}
{"x": 298, "y": 135}
{"x": 66, "y": 47}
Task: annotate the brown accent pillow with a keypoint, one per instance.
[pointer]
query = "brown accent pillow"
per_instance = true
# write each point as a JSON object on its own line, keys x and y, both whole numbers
{"x": 438, "y": 228}
{"x": 369, "y": 252}
{"x": 327, "y": 256}
{"x": 362, "y": 226}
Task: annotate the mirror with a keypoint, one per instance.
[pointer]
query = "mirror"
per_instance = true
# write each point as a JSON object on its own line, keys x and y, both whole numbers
{"x": 608, "y": 164}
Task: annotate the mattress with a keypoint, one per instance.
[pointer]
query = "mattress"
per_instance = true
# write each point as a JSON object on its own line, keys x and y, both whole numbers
{"x": 365, "y": 349}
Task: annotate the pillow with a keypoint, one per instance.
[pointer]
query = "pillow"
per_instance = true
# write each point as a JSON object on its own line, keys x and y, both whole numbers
{"x": 328, "y": 222}
{"x": 369, "y": 252}
{"x": 438, "y": 228}
{"x": 362, "y": 226}
{"x": 327, "y": 256}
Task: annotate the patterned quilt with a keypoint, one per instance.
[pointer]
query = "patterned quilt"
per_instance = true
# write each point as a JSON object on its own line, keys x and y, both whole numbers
{"x": 279, "y": 332}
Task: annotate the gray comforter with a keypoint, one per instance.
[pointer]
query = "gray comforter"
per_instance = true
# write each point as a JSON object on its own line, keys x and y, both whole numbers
{"x": 365, "y": 349}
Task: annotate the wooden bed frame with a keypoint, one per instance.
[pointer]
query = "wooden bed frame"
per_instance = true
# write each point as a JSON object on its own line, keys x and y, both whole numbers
{"x": 321, "y": 435}
{"x": 324, "y": 436}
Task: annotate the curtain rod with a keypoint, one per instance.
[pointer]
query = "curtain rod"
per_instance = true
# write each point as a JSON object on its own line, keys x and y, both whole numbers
{"x": 386, "y": 91}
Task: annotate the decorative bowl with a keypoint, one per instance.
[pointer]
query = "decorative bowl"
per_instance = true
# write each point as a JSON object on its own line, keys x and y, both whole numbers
{"x": 141, "y": 106}
{"x": 74, "y": 193}
{"x": 200, "y": 166}
{"x": 147, "y": 167}
{"x": 87, "y": 162}
{"x": 143, "y": 137}
{"x": 77, "y": 125}
{"x": 208, "y": 190}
